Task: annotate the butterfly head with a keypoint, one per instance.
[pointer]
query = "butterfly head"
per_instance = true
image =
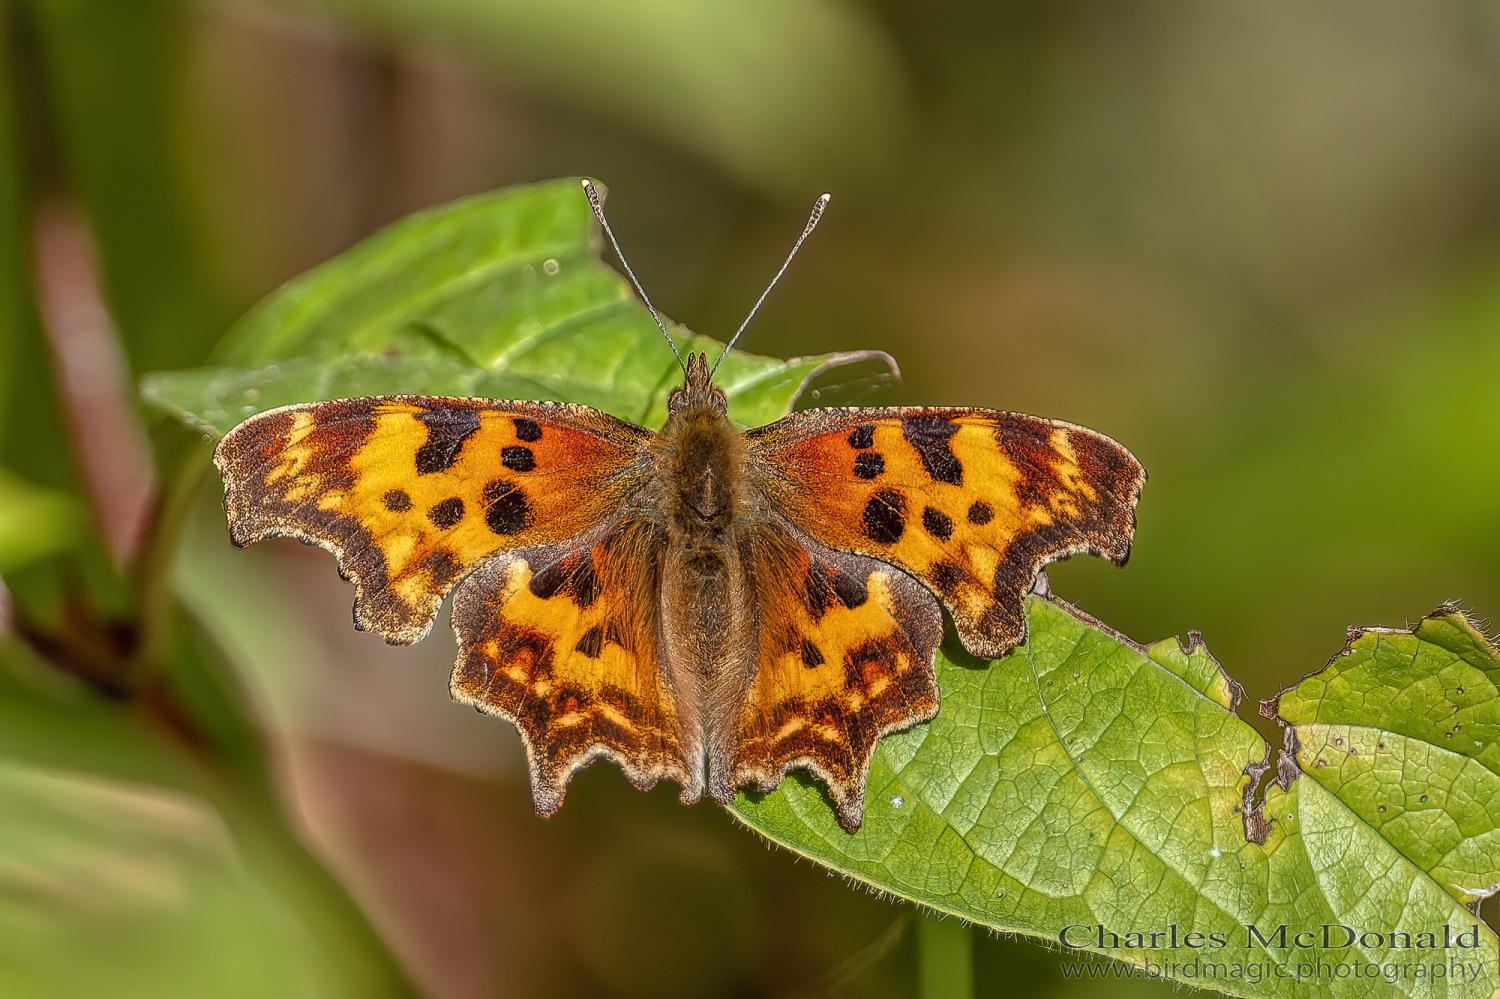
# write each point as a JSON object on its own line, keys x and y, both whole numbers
{"x": 697, "y": 390}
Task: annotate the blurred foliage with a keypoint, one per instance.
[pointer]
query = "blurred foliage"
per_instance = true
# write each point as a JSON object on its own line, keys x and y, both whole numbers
{"x": 1255, "y": 243}
{"x": 137, "y": 867}
{"x": 771, "y": 92}
{"x": 110, "y": 73}
{"x": 34, "y": 522}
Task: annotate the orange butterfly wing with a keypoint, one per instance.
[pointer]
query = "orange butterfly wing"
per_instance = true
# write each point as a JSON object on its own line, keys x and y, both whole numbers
{"x": 562, "y": 641}
{"x": 972, "y": 502}
{"x": 845, "y": 657}
{"x": 411, "y": 493}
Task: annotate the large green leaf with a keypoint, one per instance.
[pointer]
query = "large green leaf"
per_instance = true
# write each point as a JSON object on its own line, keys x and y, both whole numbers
{"x": 501, "y": 295}
{"x": 1404, "y": 728}
{"x": 1084, "y": 780}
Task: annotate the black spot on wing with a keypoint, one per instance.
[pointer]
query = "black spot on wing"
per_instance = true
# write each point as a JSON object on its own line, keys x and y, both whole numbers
{"x": 851, "y": 591}
{"x": 868, "y": 464}
{"x": 931, "y": 435}
{"x": 946, "y": 576}
{"x": 937, "y": 523}
{"x": 591, "y": 644}
{"x": 885, "y": 517}
{"x": 442, "y": 567}
{"x": 811, "y": 656}
{"x": 826, "y": 586}
{"x": 862, "y": 436}
{"x": 547, "y": 581}
{"x": 527, "y": 430}
{"x": 517, "y": 458}
{"x": 397, "y": 501}
{"x": 980, "y": 513}
{"x": 447, "y": 429}
{"x": 572, "y": 576}
{"x": 446, "y": 513}
{"x": 509, "y": 513}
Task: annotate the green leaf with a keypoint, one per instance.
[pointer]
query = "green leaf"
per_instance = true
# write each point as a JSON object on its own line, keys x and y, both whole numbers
{"x": 1084, "y": 780}
{"x": 1403, "y": 727}
{"x": 501, "y": 296}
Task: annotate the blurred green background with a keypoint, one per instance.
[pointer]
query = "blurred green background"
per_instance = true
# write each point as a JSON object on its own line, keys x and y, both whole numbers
{"x": 1258, "y": 243}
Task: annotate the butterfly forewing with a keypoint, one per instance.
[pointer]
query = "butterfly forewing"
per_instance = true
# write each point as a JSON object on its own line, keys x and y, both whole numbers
{"x": 411, "y": 493}
{"x": 972, "y": 502}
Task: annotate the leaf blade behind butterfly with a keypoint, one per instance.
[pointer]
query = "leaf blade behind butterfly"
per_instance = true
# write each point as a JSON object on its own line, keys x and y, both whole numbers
{"x": 1086, "y": 780}
{"x": 1404, "y": 728}
{"x": 502, "y": 295}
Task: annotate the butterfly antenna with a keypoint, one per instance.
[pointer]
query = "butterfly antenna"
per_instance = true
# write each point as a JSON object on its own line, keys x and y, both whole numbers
{"x": 812, "y": 223}
{"x": 598, "y": 207}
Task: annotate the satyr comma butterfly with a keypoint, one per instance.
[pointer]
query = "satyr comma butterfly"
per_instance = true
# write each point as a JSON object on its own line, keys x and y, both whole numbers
{"x": 702, "y": 604}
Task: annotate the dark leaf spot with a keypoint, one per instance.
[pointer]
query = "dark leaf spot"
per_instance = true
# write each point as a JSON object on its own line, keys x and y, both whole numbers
{"x": 862, "y": 436}
{"x": 938, "y": 523}
{"x": 397, "y": 501}
{"x": 446, "y": 513}
{"x": 509, "y": 514}
{"x": 527, "y": 430}
{"x": 810, "y": 654}
{"x": 930, "y": 436}
{"x": 517, "y": 458}
{"x": 980, "y": 513}
{"x": 447, "y": 429}
{"x": 868, "y": 464}
{"x": 885, "y": 517}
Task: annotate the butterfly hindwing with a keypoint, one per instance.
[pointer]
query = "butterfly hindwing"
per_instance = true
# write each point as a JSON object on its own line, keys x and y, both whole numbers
{"x": 845, "y": 656}
{"x": 411, "y": 493}
{"x": 562, "y": 641}
{"x": 972, "y": 502}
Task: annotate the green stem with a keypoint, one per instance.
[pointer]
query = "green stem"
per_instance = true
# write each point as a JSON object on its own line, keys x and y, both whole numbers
{"x": 945, "y": 959}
